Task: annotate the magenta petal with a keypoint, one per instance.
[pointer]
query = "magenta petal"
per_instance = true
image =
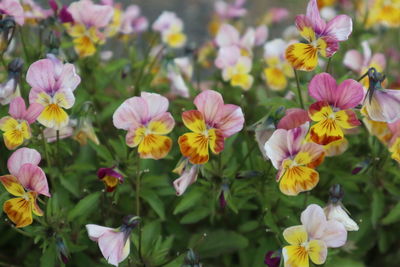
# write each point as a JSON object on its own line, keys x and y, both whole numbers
{"x": 33, "y": 112}
{"x": 231, "y": 120}
{"x": 302, "y": 21}
{"x": 322, "y": 88}
{"x": 34, "y": 179}
{"x": 112, "y": 245}
{"x": 314, "y": 16}
{"x": 20, "y": 157}
{"x": 293, "y": 118}
{"x": 339, "y": 28}
{"x": 332, "y": 45}
{"x": 209, "y": 103}
{"x": 17, "y": 108}
{"x": 295, "y": 138}
{"x": 349, "y": 94}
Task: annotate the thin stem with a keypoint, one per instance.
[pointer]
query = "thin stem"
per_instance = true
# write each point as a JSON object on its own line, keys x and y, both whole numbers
{"x": 58, "y": 149}
{"x": 22, "y": 232}
{"x": 138, "y": 205}
{"x": 298, "y": 88}
{"x": 46, "y": 152}
{"x": 23, "y": 43}
{"x": 328, "y": 65}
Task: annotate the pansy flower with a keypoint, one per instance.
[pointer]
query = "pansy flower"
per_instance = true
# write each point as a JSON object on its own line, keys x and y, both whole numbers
{"x": 360, "y": 63}
{"x": 16, "y": 126}
{"x": 311, "y": 240}
{"x": 239, "y": 74}
{"x": 294, "y": 159}
{"x": 114, "y": 243}
{"x": 110, "y": 177}
{"x": 230, "y": 10}
{"x": 278, "y": 70}
{"x": 147, "y": 121}
{"x": 89, "y": 19}
{"x": 12, "y": 8}
{"x": 26, "y": 181}
{"x": 211, "y": 123}
{"x": 333, "y": 112}
{"x": 132, "y": 21}
{"x": 322, "y": 38}
{"x": 382, "y": 12}
{"x": 34, "y": 13}
{"x": 171, "y": 29}
{"x": 53, "y": 84}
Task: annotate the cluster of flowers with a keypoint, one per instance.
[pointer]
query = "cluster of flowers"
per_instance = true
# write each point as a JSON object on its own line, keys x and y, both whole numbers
{"x": 298, "y": 145}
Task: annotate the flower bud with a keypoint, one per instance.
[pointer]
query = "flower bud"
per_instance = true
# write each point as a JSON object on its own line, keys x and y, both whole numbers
{"x": 337, "y": 213}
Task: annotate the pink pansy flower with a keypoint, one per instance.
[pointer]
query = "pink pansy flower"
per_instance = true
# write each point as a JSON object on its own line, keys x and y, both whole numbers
{"x": 114, "y": 243}
{"x": 333, "y": 111}
{"x": 26, "y": 181}
{"x": 16, "y": 126}
{"x": 360, "y": 63}
{"x": 188, "y": 177}
{"x": 276, "y": 15}
{"x": 132, "y": 22}
{"x": 228, "y": 11}
{"x": 147, "y": 121}
{"x": 171, "y": 29}
{"x": 294, "y": 159}
{"x": 211, "y": 123}
{"x": 322, "y": 37}
{"x": 53, "y": 84}
{"x": 13, "y": 9}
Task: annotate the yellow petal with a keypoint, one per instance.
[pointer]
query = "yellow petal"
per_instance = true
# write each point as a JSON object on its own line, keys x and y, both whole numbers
{"x": 295, "y": 235}
{"x": 302, "y": 56}
{"x": 35, "y": 208}
{"x": 295, "y": 256}
{"x": 194, "y": 121}
{"x": 53, "y": 116}
{"x": 175, "y": 39}
{"x": 317, "y": 251}
{"x": 194, "y": 146}
{"x": 84, "y": 46}
{"x": 19, "y": 210}
{"x": 154, "y": 146}
{"x": 298, "y": 179}
{"x": 216, "y": 140}
{"x": 12, "y": 185}
{"x": 308, "y": 34}
{"x": 15, "y": 133}
{"x": 275, "y": 78}
{"x": 76, "y": 30}
{"x": 243, "y": 80}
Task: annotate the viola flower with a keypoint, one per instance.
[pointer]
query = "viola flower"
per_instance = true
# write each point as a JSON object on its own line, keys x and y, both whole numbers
{"x": 383, "y": 12}
{"x": 271, "y": 259}
{"x": 9, "y": 89}
{"x": 294, "y": 159}
{"x": 323, "y": 38}
{"x": 171, "y": 29}
{"x": 26, "y": 181}
{"x": 110, "y": 177}
{"x": 239, "y": 74}
{"x": 333, "y": 111}
{"x": 132, "y": 21}
{"x": 114, "y": 243}
{"x": 147, "y": 121}
{"x": 188, "y": 176}
{"x": 16, "y": 126}
{"x": 89, "y": 19}
{"x": 229, "y": 11}
{"x": 360, "y": 63}
{"x": 34, "y": 13}
{"x": 337, "y": 213}
{"x": 12, "y": 8}
{"x": 53, "y": 84}
{"x": 115, "y": 23}
{"x": 312, "y": 239}
{"x": 211, "y": 123}
{"x": 278, "y": 70}
{"x": 85, "y": 131}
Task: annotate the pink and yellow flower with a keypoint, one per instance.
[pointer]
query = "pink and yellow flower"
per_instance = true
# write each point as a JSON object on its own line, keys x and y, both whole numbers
{"x": 333, "y": 111}
{"x": 147, "y": 121}
{"x": 323, "y": 38}
{"x": 110, "y": 177}
{"x": 295, "y": 159}
{"x": 211, "y": 123}
{"x": 12, "y": 8}
{"x": 53, "y": 84}
{"x": 89, "y": 19}
{"x": 26, "y": 181}
{"x": 311, "y": 240}
{"x": 171, "y": 29}
{"x": 278, "y": 70}
{"x": 132, "y": 21}
{"x": 16, "y": 126}
{"x": 360, "y": 63}
{"x": 239, "y": 74}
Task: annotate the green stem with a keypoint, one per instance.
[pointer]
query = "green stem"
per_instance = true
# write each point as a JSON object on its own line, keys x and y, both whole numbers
{"x": 138, "y": 206}
{"x": 22, "y": 232}
{"x": 298, "y": 88}
{"x": 328, "y": 65}
{"x": 21, "y": 34}
{"x": 46, "y": 152}
{"x": 58, "y": 149}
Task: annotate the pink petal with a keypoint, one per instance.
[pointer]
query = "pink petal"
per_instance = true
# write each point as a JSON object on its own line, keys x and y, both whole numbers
{"x": 378, "y": 60}
{"x": 334, "y": 235}
{"x": 293, "y": 118}
{"x": 302, "y": 22}
{"x": 276, "y": 148}
{"x": 349, "y": 94}
{"x": 227, "y": 35}
{"x": 261, "y": 35}
{"x": 68, "y": 79}
{"x": 41, "y": 75}
{"x": 227, "y": 56}
{"x": 248, "y": 40}
{"x": 17, "y": 108}
{"x": 295, "y": 138}
{"x": 340, "y": 27}
{"x": 385, "y": 105}
{"x": 33, "y": 112}
{"x": 156, "y": 104}
{"x": 188, "y": 177}
{"x": 20, "y": 157}
{"x": 14, "y": 9}
{"x": 112, "y": 245}
{"x": 322, "y": 88}
{"x": 367, "y": 53}
{"x": 231, "y": 120}
{"x": 34, "y": 179}
{"x": 90, "y": 14}
{"x": 95, "y": 231}
{"x": 132, "y": 113}
{"x": 314, "y": 16}
{"x": 210, "y": 104}
{"x": 332, "y": 45}
{"x": 353, "y": 60}
{"x": 314, "y": 220}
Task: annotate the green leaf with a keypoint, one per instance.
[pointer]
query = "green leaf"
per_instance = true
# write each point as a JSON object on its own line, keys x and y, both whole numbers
{"x": 195, "y": 215}
{"x": 377, "y": 207}
{"x": 154, "y": 201}
{"x": 393, "y": 216}
{"x": 84, "y": 206}
{"x": 48, "y": 258}
{"x": 188, "y": 200}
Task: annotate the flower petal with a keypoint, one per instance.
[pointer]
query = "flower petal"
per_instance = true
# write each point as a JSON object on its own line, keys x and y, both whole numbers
{"x": 298, "y": 179}
{"x": 35, "y": 207}
{"x": 294, "y": 117}
{"x": 323, "y": 88}
{"x": 335, "y": 234}
{"x": 41, "y": 75}
{"x": 112, "y": 246}
{"x": 227, "y": 56}
{"x": 17, "y": 108}
{"x": 21, "y": 157}
{"x": 19, "y": 211}
{"x": 349, "y": 94}
{"x": 353, "y": 60}
{"x": 339, "y": 28}
{"x": 314, "y": 16}
{"x": 194, "y": 121}
{"x": 194, "y": 146}
{"x": 310, "y": 154}
{"x": 156, "y": 104}
{"x": 34, "y": 179}
{"x": 161, "y": 124}
{"x": 347, "y": 119}
{"x": 132, "y": 113}
{"x": 33, "y": 112}
{"x": 305, "y": 27}
{"x": 295, "y": 256}
{"x": 384, "y": 105}
{"x": 53, "y": 116}
{"x": 95, "y": 231}
{"x": 227, "y": 35}
{"x": 12, "y": 185}
{"x": 302, "y": 56}
{"x": 277, "y": 147}
{"x": 231, "y": 120}
{"x": 216, "y": 140}
{"x": 317, "y": 251}
{"x": 314, "y": 220}
{"x": 295, "y": 235}
{"x": 209, "y": 103}
{"x": 154, "y": 146}
{"x": 135, "y": 136}
{"x": 188, "y": 177}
